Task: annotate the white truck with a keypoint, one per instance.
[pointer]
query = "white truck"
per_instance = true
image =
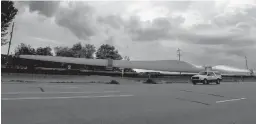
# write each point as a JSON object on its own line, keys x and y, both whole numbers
{"x": 206, "y": 77}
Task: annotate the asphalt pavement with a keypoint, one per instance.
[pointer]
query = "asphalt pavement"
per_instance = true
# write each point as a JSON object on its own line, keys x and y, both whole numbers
{"x": 49, "y": 103}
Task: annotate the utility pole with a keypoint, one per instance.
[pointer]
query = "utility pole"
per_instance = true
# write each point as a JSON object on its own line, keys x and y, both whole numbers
{"x": 246, "y": 62}
{"x": 179, "y": 54}
{"x": 7, "y": 61}
{"x": 10, "y": 40}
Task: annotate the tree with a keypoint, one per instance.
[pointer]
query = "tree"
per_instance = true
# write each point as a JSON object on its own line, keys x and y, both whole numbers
{"x": 128, "y": 69}
{"x": 24, "y": 49}
{"x": 64, "y": 52}
{"x": 46, "y": 51}
{"x": 127, "y": 58}
{"x": 8, "y": 12}
{"x": 77, "y": 50}
{"x": 108, "y": 52}
{"x": 88, "y": 50}
{"x": 251, "y": 72}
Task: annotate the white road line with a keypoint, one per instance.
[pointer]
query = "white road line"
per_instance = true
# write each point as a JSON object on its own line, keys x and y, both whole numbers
{"x": 230, "y": 100}
{"x": 9, "y": 93}
{"x": 60, "y": 86}
{"x": 71, "y": 97}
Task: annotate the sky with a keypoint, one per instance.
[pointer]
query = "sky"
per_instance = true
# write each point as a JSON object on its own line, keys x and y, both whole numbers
{"x": 213, "y": 33}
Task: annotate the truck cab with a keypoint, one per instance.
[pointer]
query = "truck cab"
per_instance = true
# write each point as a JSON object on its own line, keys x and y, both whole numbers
{"x": 206, "y": 77}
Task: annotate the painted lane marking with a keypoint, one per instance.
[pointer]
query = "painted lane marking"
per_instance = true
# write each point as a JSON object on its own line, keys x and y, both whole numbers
{"x": 194, "y": 101}
{"x": 71, "y": 97}
{"x": 9, "y": 93}
{"x": 61, "y": 86}
{"x": 210, "y": 94}
{"x": 230, "y": 100}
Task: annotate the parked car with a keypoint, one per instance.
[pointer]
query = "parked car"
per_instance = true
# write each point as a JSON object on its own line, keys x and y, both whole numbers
{"x": 207, "y": 77}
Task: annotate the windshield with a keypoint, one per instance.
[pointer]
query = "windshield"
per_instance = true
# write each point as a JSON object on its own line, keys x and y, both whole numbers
{"x": 217, "y": 73}
{"x": 203, "y": 73}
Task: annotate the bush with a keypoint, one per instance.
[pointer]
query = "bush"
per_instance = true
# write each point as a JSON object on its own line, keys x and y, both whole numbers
{"x": 113, "y": 82}
{"x": 150, "y": 81}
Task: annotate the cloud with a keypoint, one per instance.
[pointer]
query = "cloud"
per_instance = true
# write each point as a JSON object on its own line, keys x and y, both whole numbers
{"x": 113, "y": 20}
{"x": 233, "y": 16}
{"x": 230, "y": 55}
{"x": 217, "y": 38}
{"x": 250, "y": 10}
{"x": 174, "y": 5}
{"x": 158, "y": 29}
{"x": 46, "y": 8}
{"x": 78, "y": 18}
{"x": 46, "y": 40}
{"x": 207, "y": 32}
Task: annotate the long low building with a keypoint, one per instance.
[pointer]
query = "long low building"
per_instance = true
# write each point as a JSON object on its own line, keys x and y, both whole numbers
{"x": 158, "y": 65}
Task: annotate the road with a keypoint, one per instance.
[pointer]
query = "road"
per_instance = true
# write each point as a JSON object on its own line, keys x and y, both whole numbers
{"x": 45, "y": 103}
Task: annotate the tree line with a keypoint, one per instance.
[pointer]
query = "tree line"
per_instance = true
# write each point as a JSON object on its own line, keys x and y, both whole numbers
{"x": 89, "y": 51}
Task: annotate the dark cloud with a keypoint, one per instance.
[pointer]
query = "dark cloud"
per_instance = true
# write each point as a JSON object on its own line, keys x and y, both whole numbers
{"x": 78, "y": 18}
{"x": 202, "y": 34}
{"x": 163, "y": 29}
{"x": 158, "y": 29}
{"x": 46, "y": 8}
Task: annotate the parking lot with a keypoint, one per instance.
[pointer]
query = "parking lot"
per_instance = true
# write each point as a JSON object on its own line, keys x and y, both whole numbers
{"x": 178, "y": 103}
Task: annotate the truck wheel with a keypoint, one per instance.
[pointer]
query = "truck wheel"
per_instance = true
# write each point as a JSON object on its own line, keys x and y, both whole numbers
{"x": 194, "y": 83}
{"x": 205, "y": 81}
{"x": 218, "y": 81}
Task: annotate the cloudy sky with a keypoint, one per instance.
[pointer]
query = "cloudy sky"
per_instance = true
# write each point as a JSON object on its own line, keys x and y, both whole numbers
{"x": 208, "y": 32}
